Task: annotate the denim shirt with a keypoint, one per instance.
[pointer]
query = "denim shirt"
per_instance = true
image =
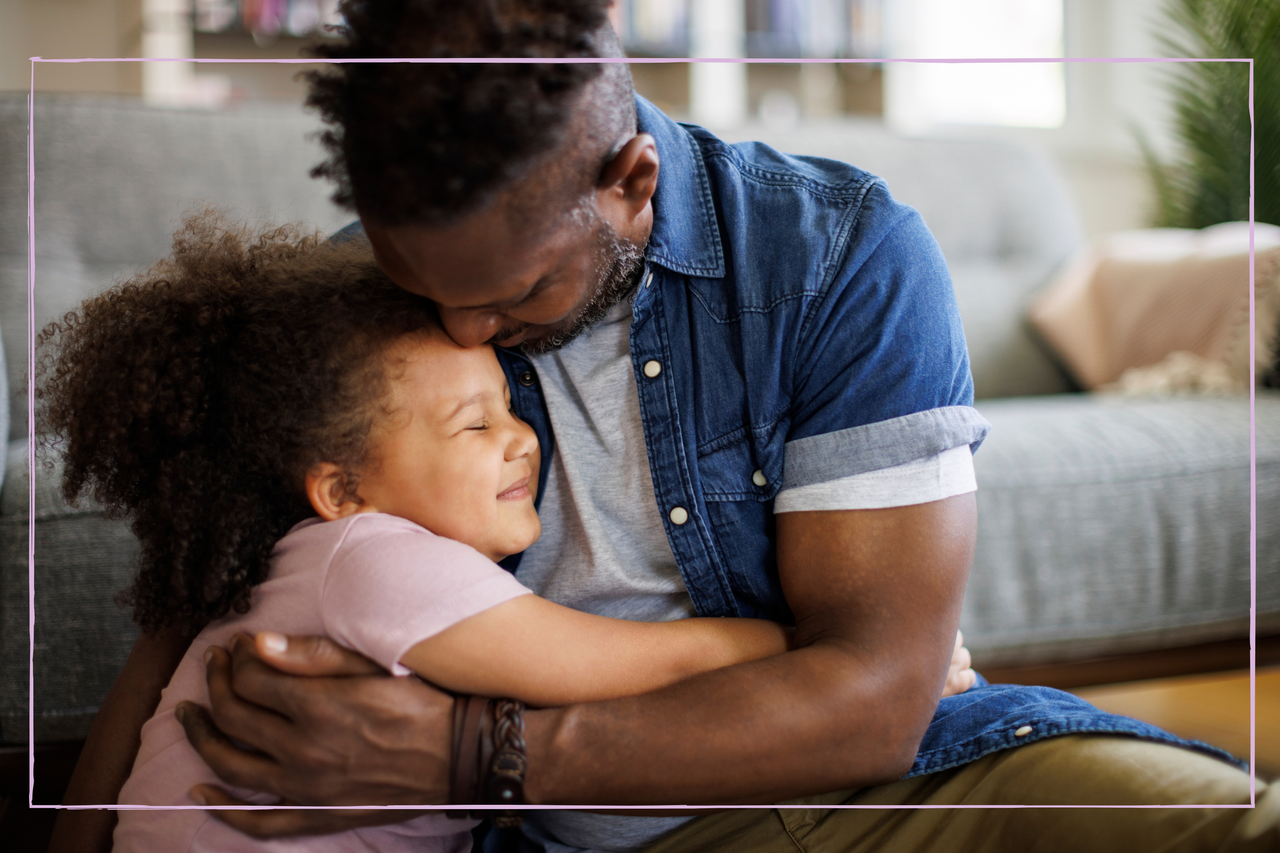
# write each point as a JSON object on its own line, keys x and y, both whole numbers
{"x": 798, "y": 322}
{"x": 796, "y": 325}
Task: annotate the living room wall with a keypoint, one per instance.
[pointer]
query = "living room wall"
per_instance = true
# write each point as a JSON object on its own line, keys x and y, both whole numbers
{"x": 71, "y": 28}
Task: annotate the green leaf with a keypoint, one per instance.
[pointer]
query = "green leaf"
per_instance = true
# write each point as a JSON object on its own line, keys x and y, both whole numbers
{"x": 1208, "y": 182}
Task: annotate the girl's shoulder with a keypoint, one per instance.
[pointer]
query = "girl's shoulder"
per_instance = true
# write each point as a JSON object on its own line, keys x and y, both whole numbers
{"x": 390, "y": 583}
{"x": 372, "y": 536}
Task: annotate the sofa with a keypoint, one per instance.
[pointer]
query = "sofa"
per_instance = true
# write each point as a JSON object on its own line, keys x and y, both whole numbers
{"x": 1107, "y": 525}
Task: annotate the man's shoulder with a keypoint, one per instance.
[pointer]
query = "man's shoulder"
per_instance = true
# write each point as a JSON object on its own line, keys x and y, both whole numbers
{"x": 755, "y": 162}
{"x": 759, "y": 164}
{"x": 754, "y": 228}
{"x": 761, "y": 198}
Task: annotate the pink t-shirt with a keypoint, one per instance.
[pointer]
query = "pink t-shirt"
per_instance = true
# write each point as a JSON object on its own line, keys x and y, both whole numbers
{"x": 373, "y": 582}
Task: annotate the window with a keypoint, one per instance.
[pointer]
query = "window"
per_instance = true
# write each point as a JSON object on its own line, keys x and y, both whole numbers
{"x": 920, "y": 95}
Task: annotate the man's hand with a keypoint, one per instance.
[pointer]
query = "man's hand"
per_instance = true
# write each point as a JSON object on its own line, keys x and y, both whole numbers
{"x": 960, "y": 675}
{"x": 332, "y": 728}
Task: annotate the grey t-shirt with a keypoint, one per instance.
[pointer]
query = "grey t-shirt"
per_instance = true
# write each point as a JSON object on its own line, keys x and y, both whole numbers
{"x": 603, "y": 549}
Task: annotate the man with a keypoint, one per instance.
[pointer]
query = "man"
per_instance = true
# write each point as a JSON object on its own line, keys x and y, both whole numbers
{"x": 751, "y": 382}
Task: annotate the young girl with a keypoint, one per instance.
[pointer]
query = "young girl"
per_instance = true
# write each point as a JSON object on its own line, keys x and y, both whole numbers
{"x": 300, "y": 447}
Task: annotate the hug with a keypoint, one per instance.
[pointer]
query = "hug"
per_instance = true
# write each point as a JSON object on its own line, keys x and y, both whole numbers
{"x": 649, "y": 455}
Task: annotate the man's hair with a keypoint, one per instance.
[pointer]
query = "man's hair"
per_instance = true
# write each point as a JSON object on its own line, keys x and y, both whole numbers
{"x": 426, "y": 143}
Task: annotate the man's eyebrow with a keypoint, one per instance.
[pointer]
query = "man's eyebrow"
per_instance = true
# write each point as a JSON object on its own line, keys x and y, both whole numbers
{"x": 503, "y": 304}
{"x": 522, "y": 296}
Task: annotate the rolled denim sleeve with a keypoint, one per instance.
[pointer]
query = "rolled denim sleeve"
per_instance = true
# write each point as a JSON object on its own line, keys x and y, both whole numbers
{"x": 882, "y": 370}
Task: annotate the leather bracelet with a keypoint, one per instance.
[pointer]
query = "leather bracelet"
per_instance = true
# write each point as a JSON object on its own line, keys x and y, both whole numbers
{"x": 489, "y": 758}
{"x": 470, "y": 713}
{"x": 505, "y": 781}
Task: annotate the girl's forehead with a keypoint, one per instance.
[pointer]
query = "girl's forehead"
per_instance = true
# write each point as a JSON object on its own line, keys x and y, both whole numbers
{"x": 434, "y": 370}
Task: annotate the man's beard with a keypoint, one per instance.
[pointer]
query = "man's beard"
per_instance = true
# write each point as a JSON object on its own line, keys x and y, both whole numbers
{"x": 619, "y": 265}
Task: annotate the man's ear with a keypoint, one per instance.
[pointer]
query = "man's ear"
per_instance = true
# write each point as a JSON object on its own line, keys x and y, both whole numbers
{"x": 327, "y": 492}
{"x": 629, "y": 179}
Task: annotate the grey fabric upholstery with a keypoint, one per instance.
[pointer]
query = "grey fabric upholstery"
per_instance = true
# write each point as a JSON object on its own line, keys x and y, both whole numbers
{"x": 1111, "y": 524}
{"x": 81, "y": 637}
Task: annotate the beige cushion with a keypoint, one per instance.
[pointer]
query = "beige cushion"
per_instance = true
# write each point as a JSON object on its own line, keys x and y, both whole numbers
{"x": 1133, "y": 299}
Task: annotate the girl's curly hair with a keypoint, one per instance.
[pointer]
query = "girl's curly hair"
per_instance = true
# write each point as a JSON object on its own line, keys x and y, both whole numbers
{"x": 193, "y": 399}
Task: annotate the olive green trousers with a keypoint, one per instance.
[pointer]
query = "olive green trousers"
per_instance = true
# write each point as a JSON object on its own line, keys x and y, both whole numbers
{"x": 1076, "y": 770}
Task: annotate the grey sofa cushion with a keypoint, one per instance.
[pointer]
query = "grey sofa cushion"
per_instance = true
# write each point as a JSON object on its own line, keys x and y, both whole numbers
{"x": 112, "y": 179}
{"x": 81, "y": 637}
{"x": 1111, "y": 524}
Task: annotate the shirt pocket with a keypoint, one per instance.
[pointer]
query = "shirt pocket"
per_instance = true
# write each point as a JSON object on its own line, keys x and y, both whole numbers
{"x": 743, "y": 465}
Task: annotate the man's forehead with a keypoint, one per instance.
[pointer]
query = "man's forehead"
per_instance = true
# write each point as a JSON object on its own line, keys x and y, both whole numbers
{"x": 487, "y": 258}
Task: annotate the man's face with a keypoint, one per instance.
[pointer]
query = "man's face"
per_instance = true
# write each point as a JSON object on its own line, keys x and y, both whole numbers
{"x": 507, "y": 281}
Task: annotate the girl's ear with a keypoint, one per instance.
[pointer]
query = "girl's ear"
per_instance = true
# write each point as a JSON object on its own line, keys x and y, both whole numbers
{"x": 327, "y": 491}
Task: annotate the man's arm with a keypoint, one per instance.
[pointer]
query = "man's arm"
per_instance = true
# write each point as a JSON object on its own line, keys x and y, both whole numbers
{"x": 113, "y": 742}
{"x": 877, "y": 597}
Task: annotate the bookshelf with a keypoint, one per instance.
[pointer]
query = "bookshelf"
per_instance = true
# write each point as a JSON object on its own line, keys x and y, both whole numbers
{"x": 773, "y": 28}
{"x": 648, "y": 28}
{"x": 264, "y": 20}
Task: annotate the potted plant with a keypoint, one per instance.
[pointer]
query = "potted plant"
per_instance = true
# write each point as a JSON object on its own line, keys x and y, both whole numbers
{"x": 1209, "y": 182}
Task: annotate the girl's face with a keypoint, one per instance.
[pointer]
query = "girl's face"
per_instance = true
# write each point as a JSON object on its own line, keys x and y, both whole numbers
{"x": 449, "y": 454}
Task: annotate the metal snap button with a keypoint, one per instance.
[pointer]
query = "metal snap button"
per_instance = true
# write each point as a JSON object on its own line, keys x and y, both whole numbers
{"x": 526, "y": 378}
{"x": 679, "y": 515}
{"x": 652, "y": 369}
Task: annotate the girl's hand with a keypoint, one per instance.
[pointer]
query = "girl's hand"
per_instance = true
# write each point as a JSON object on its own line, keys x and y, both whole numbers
{"x": 960, "y": 675}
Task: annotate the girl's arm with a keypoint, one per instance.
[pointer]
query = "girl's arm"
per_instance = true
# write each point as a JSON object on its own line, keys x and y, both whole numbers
{"x": 544, "y": 654}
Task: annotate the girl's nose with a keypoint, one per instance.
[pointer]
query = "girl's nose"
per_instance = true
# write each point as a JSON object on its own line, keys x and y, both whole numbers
{"x": 524, "y": 441}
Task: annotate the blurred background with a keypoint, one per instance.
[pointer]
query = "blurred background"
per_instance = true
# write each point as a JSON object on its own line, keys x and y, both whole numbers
{"x": 1088, "y": 117}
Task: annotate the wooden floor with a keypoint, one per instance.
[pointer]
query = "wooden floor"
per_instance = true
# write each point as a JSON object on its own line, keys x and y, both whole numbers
{"x": 1211, "y": 708}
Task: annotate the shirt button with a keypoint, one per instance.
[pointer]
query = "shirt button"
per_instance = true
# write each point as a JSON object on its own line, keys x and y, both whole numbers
{"x": 1022, "y": 732}
{"x": 759, "y": 479}
{"x": 526, "y": 378}
{"x": 648, "y": 279}
{"x": 679, "y": 515}
{"x": 652, "y": 369}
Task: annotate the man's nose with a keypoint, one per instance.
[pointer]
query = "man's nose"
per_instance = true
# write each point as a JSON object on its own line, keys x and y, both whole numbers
{"x": 470, "y": 327}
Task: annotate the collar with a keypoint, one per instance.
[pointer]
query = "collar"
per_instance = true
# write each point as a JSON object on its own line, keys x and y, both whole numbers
{"x": 686, "y": 236}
